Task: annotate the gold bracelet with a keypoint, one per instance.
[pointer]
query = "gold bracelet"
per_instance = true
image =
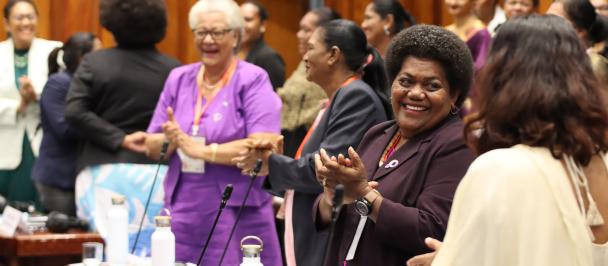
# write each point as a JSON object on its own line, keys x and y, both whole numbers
{"x": 213, "y": 151}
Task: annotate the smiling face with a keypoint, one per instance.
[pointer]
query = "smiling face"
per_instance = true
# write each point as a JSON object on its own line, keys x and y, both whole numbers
{"x": 253, "y": 27}
{"x": 373, "y": 25}
{"x": 514, "y": 8}
{"x": 601, "y": 6}
{"x": 458, "y": 8}
{"x": 215, "y": 50}
{"x": 308, "y": 24}
{"x": 420, "y": 96}
{"x": 21, "y": 24}
{"x": 316, "y": 58}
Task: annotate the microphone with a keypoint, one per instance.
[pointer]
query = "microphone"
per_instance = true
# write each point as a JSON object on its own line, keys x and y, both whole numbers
{"x": 253, "y": 175}
{"x": 58, "y": 222}
{"x": 163, "y": 152}
{"x": 225, "y": 197}
{"x": 337, "y": 201}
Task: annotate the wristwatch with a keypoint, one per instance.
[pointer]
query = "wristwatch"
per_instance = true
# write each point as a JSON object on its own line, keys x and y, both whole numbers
{"x": 363, "y": 206}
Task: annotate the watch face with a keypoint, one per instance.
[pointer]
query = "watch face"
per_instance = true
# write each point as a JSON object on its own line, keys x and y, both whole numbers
{"x": 362, "y": 208}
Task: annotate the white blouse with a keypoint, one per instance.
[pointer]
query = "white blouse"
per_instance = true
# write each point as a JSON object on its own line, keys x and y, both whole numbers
{"x": 514, "y": 207}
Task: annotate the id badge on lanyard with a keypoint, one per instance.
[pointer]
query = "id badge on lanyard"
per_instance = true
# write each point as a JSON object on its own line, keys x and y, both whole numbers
{"x": 189, "y": 164}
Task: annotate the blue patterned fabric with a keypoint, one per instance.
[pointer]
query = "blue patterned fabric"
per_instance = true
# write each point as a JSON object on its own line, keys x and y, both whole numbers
{"x": 95, "y": 186}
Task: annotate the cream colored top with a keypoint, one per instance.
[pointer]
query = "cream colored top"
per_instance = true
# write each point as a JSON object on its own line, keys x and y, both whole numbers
{"x": 514, "y": 207}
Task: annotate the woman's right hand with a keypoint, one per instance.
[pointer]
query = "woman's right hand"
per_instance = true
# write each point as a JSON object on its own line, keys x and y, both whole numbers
{"x": 135, "y": 142}
{"x": 171, "y": 128}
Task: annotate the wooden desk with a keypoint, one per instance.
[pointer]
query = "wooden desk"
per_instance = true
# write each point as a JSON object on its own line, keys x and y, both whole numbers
{"x": 46, "y": 249}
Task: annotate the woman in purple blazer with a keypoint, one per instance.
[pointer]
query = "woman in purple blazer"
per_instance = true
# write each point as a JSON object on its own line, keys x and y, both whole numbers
{"x": 400, "y": 183}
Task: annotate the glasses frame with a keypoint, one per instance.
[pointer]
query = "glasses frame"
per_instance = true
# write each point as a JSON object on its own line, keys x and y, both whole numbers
{"x": 216, "y": 35}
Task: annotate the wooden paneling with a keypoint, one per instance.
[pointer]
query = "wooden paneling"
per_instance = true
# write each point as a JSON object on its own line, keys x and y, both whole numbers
{"x": 59, "y": 19}
{"x": 425, "y": 11}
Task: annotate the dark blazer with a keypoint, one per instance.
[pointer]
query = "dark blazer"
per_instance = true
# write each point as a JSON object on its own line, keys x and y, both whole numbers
{"x": 56, "y": 163}
{"x": 354, "y": 109}
{"x": 113, "y": 93}
{"x": 267, "y": 58}
{"x": 417, "y": 194}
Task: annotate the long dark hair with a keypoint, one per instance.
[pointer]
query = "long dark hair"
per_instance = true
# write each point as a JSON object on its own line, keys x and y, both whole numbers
{"x": 73, "y": 49}
{"x": 401, "y": 18}
{"x": 537, "y": 88}
{"x": 351, "y": 40}
{"x": 582, "y": 14}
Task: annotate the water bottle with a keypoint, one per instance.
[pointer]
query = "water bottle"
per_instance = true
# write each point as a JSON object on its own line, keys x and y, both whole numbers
{"x": 118, "y": 235}
{"x": 251, "y": 252}
{"x": 163, "y": 242}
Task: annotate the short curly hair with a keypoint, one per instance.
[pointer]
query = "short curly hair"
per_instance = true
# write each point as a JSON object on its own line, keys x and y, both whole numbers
{"x": 438, "y": 44}
{"x": 134, "y": 23}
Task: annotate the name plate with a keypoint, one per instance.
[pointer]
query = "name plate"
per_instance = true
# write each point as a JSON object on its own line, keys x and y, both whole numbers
{"x": 10, "y": 220}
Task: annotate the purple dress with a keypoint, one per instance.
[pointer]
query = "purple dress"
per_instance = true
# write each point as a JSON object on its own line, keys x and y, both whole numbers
{"x": 479, "y": 44}
{"x": 246, "y": 105}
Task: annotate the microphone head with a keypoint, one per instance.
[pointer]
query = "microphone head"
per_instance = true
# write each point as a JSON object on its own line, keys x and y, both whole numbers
{"x": 258, "y": 167}
{"x": 164, "y": 148}
{"x": 227, "y": 192}
{"x": 338, "y": 195}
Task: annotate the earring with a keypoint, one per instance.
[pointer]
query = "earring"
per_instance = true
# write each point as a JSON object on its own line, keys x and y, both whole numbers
{"x": 454, "y": 110}
{"x": 386, "y": 31}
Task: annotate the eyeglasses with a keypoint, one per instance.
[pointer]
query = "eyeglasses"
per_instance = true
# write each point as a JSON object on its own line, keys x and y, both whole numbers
{"x": 603, "y": 7}
{"x": 216, "y": 35}
{"x": 21, "y": 17}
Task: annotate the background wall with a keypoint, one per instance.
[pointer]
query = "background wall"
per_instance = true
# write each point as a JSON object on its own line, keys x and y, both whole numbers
{"x": 58, "y": 19}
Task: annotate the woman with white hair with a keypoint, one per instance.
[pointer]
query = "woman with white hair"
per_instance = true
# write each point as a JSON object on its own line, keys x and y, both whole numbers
{"x": 207, "y": 111}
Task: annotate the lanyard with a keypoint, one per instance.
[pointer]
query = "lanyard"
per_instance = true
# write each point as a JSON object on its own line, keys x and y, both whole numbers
{"x": 199, "y": 108}
{"x": 318, "y": 119}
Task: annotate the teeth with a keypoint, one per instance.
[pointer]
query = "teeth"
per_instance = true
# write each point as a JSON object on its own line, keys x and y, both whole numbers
{"x": 415, "y": 108}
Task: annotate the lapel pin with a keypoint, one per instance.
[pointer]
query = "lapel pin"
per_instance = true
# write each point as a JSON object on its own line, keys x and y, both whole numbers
{"x": 391, "y": 164}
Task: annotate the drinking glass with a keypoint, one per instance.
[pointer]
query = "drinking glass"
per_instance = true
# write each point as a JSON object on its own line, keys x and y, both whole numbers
{"x": 92, "y": 253}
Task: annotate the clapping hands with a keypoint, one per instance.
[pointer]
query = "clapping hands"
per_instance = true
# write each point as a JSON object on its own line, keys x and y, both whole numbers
{"x": 27, "y": 93}
{"x": 350, "y": 172}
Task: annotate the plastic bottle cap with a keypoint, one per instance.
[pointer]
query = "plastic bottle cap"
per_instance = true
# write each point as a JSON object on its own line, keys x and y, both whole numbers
{"x": 118, "y": 200}
{"x": 162, "y": 221}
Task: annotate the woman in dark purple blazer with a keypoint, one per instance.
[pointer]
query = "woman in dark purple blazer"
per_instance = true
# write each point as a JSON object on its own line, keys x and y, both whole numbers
{"x": 400, "y": 183}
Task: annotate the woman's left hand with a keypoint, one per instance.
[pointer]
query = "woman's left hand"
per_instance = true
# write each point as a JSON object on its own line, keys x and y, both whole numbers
{"x": 349, "y": 172}
{"x": 426, "y": 259}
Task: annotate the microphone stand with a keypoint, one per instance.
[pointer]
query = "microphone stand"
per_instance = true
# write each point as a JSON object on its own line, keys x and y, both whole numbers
{"x": 254, "y": 174}
{"x": 163, "y": 152}
{"x": 225, "y": 197}
{"x": 335, "y": 210}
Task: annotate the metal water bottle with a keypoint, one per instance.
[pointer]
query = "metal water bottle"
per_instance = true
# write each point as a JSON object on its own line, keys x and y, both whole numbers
{"x": 163, "y": 242}
{"x": 118, "y": 235}
{"x": 251, "y": 252}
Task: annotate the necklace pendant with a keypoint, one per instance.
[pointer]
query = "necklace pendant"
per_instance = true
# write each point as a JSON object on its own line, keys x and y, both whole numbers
{"x": 594, "y": 217}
